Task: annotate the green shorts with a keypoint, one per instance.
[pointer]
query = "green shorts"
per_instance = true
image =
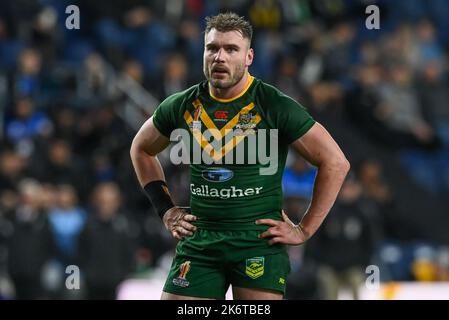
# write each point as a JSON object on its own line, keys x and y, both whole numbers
{"x": 207, "y": 262}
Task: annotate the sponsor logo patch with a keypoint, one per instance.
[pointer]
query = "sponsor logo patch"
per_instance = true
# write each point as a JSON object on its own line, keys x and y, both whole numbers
{"x": 217, "y": 174}
{"x": 221, "y": 115}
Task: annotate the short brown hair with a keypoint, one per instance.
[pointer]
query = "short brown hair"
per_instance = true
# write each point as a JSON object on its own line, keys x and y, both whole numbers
{"x": 229, "y": 21}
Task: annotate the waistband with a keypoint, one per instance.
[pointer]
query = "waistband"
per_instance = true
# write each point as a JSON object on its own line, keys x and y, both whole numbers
{"x": 236, "y": 224}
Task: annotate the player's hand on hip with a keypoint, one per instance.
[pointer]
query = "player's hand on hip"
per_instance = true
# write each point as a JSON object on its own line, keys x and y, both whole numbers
{"x": 285, "y": 231}
{"x": 178, "y": 222}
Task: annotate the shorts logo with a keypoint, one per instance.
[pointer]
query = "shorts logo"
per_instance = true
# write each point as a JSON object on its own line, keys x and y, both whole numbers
{"x": 255, "y": 267}
{"x": 181, "y": 281}
{"x": 217, "y": 174}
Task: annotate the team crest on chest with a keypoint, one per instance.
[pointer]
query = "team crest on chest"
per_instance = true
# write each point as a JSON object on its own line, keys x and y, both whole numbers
{"x": 246, "y": 124}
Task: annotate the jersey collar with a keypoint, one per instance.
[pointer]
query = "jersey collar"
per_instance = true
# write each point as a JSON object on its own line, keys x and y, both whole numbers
{"x": 248, "y": 84}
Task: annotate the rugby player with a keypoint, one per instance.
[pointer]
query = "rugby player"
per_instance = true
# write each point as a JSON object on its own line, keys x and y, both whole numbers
{"x": 235, "y": 231}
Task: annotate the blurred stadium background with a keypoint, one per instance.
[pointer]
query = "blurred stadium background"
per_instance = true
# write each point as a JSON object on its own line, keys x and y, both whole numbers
{"x": 72, "y": 100}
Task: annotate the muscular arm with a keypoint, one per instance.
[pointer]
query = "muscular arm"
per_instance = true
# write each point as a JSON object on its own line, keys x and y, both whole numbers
{"x": 147, "y": 143}
{"x": 317, "y": 147}
{"x": 320, "y": 149}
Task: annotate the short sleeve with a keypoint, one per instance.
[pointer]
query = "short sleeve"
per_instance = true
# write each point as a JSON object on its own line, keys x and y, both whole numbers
{"x": 285, "y": 114}
{"x": 294, "y": 120}
{"x": 290, "y": 118}
{"x": 164, "y": 118}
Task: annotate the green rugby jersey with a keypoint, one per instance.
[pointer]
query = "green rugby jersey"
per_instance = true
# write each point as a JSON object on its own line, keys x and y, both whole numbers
{"x": 231, "y": 193}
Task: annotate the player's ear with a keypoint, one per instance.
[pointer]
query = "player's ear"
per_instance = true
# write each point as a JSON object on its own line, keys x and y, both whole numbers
{"x": 249, "y": 57}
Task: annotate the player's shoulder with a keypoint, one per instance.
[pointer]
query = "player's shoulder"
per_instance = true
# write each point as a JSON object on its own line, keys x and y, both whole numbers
{"x": 272, "y": 96}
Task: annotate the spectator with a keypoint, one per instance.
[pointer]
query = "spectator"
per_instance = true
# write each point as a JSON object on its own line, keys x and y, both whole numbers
{"x": 399, "y": 108}
{"x": 298, "y": 178}
{"x": 26, "y": 123}
{"x": 66, "y": 221}
{"x": 30, "y": 244}
{"x": 65, "y": 124}
{"x": 27, "y": 81}
{"x": 390, "y": 113}
{"x": 12, "y": 169}
{"x": 433, "y": 91}
{"x": 175, "y": 76}
{"x": 94, "y": 81}
{"x": 348, "y": 226}
{"x": 61, "y": 166}
{"x": 106, "y": 246}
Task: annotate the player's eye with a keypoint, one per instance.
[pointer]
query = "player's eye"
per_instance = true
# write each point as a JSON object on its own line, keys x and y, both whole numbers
{"x": 212, "y": 49}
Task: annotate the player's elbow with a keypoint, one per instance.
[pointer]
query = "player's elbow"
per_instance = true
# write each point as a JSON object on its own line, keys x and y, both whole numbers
{"x": 339, "y": 165}
{"x": 136, "y": 148}
{"x": 343, "y": 165}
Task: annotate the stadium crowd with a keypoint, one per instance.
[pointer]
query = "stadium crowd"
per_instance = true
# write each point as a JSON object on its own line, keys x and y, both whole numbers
{"x": 68, "y": 193}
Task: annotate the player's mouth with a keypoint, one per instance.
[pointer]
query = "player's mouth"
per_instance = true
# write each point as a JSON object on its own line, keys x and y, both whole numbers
{"x": 219, "y": 71}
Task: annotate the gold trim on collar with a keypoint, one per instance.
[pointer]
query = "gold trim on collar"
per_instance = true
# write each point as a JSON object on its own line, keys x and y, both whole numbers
{"x": 248, "y": 84}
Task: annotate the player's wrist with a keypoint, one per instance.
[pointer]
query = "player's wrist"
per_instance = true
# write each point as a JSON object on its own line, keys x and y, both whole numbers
{"x": 157, "y": 192}
{"x": 302, "y": 231}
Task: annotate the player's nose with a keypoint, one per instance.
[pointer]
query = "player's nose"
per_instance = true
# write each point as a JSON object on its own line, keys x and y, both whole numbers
{"x": 219, "y": 55}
